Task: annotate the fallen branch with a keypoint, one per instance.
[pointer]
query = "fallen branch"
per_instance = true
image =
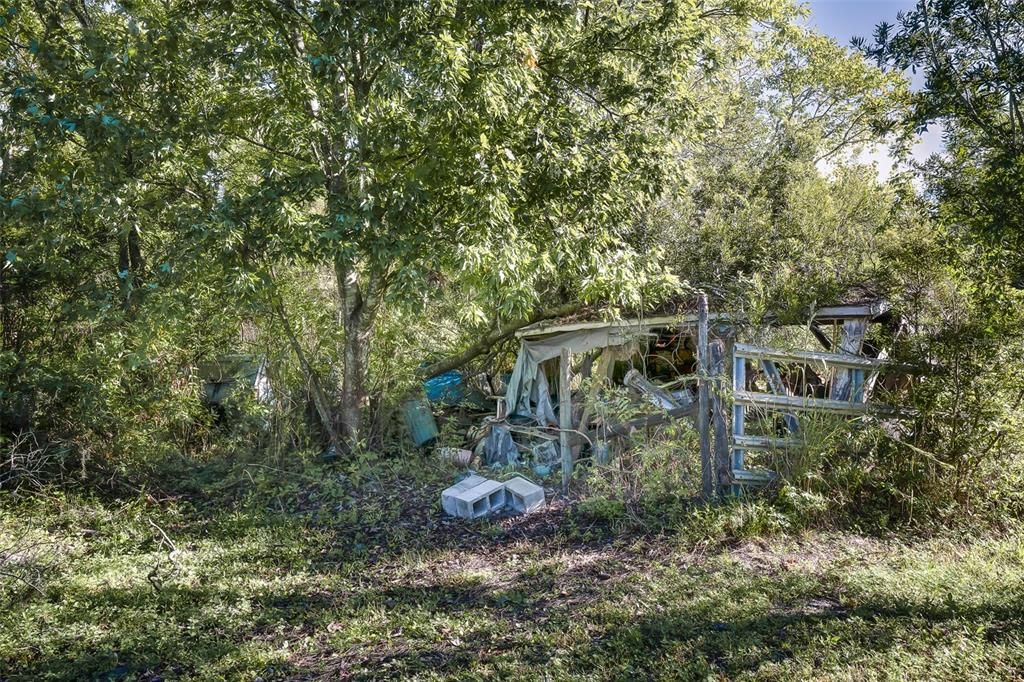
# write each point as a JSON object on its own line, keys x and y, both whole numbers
{"x": 500, "y": 334}
{"x": 22, "y": 561}
{"x": 25, "y": 581}
{"x": 172, "y": 556}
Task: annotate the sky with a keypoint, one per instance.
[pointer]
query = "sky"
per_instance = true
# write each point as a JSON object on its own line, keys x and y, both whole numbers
{"x": 844, "y": 19}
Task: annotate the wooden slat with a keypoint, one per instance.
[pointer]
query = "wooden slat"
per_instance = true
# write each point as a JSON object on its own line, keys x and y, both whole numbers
{"x": 746, "y": 350}
{"x": 739, "y": 383}
{"x": 753, "y": 477}
{"x": 827, "y": 314}
{"x": 765, "y": 443}
{"x": 846, "y": 312}
{"x": 784, "y": 402}
{"x": 636, "y": 325}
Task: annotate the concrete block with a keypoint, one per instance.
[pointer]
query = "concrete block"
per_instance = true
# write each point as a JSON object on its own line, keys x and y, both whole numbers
{"x": 481, "y": 500}
{"x": 523, "y": 496}
{"x": 449, "y": 495}
{"x": 474, "y": 498}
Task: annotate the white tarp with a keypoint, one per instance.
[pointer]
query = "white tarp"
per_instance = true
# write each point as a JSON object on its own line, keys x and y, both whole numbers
{"x": 529, "y": 383}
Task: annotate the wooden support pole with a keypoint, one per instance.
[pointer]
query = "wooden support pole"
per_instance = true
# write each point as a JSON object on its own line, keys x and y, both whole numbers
{"x": 707, "y": 465}
{"x": 723, "y": 465}
{"x": 565, "y": 417}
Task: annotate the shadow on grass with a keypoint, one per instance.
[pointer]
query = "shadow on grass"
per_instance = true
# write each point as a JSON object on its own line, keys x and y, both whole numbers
{"x": 582, "y": 605}
{"x": 588, "y": 626}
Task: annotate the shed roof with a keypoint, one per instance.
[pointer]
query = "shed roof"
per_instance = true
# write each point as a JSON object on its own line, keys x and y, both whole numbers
{"x": 685, "y": 318}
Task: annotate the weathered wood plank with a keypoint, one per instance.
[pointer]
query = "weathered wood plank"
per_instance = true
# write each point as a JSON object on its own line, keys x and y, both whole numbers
{"x": 746, "y": 350}
{"x": 826, "y": 314}
{"x": 765, "y": 442}
{"x": 688, "y": 320}
{"x": 782, "y": 403}
{"x": 845, "y": 312}
{"x": 751, "y": 477}
{"x": 739, "y": 383}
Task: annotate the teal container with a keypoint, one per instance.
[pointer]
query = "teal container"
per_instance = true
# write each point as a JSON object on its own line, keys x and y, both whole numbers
{"x": 420, "y": 420}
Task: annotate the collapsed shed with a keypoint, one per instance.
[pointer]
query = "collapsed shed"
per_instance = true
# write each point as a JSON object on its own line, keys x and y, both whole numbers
{"x": 743, "y": 397}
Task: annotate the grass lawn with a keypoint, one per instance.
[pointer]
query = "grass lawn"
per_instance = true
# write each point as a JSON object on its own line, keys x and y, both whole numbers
{"x": 267, "y": 575}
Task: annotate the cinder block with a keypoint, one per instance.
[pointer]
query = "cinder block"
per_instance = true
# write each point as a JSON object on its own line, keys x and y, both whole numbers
{"x": 523, "y": 496}
{"x": 449, "y": 495}
{"x": 481, "y": 500}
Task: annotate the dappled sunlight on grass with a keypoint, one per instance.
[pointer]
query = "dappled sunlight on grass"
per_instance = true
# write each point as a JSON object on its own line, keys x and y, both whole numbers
{"x": 256, "y": 592}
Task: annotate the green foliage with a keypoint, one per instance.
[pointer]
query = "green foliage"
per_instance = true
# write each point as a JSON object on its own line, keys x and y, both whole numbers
{"x": 156, "y": 158}
{"x": 771, "y": 211}
{"x": 970, "y": 54}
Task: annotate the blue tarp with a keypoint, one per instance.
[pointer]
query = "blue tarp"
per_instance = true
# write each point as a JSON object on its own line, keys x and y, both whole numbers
{"x": 445, "y": 388}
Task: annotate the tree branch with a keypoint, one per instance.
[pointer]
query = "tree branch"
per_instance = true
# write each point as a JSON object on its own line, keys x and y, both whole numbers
{"x": 500, "y": 334}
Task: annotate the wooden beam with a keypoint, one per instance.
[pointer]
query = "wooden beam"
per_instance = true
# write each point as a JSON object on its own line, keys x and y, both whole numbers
{"x": 739, "y": 383}
{"x": 752, "y": 477}
{"x": 746, "y": 350}
{"x": 822, "y": 337}
{"x": 638, "y": 325}
{"x": 826, "y": 314}
{"x": 845, "y": 312}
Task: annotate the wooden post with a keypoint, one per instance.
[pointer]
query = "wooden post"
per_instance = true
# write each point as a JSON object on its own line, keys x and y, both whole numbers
{"x": 565, "y": 417}
{"x": 723, "y": 466}
{"x": 707, "y": 465}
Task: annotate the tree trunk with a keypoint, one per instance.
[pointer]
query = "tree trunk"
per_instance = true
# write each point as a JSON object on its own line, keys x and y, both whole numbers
{"x": 353, "y": 386}
{"x": 356, "y": 314}
{"x": 131, "y": 265}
